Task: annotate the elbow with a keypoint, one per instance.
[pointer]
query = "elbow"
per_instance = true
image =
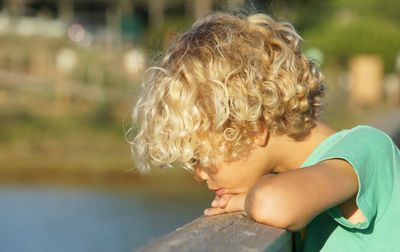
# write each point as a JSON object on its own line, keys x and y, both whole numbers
{"x": 270, "y": 206}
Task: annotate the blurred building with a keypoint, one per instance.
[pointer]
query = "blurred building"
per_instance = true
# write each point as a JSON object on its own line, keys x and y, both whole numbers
{"x": 366, "y": 80}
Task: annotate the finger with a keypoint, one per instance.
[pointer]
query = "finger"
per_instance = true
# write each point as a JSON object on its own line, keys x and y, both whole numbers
{"x": 222, "y": 203}
{"x": 224, "y": 199}
{"x": 214, "y": 203}
{"x": 214, "y": 211}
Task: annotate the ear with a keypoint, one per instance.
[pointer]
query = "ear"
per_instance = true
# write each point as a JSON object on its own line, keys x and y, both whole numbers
{"x": 261, "y": 137}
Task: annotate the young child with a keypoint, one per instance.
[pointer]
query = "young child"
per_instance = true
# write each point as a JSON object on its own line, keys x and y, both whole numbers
{"x": 236, "y": 101}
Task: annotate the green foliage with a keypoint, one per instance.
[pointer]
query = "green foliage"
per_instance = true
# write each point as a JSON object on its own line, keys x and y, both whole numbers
{"x": 344, "y": 28}
{"x": 158, "y": 37}
{"x": 362, "y": 35}
{"x": 102, "y": 115}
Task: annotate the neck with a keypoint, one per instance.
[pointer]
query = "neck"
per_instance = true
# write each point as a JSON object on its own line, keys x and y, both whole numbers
{"x": 290, "y": 154}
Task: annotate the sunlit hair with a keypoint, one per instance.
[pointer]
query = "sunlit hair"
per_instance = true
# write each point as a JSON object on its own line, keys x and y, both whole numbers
{"x": 220, "y": 82}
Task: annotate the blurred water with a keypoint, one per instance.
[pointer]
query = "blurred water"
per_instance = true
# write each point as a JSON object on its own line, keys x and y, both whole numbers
{"x": 50, "y": 218}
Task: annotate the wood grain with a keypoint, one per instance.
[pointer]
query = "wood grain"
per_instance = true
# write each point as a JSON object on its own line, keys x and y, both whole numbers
{"x": 227, "y": 232}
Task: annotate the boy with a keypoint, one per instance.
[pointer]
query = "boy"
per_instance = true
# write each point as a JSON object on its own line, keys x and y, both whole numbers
{"x": 235, "y": 101}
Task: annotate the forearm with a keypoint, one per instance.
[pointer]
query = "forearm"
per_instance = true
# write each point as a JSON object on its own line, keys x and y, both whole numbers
{"x": 291, "y": 200}
{"x": 270, "y": 204}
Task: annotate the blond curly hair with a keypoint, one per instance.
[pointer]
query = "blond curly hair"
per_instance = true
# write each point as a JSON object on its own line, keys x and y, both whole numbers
{"x": 223, "y": 80}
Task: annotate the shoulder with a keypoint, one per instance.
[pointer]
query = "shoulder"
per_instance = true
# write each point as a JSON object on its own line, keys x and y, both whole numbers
{"x": 364, "y": 147}
{"x": 364, "y": 137}
{"x": 368, "y": 131}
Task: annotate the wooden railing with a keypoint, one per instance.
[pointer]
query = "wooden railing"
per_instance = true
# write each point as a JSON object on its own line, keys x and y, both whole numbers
{"x": 227, "y": 232}
{"x": 235, "y": 231}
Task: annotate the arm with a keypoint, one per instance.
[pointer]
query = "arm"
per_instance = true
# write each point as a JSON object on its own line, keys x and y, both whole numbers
{"x": 291, "y": 200}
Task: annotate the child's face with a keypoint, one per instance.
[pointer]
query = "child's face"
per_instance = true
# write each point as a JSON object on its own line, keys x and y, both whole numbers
{"x": 236, "y": 176}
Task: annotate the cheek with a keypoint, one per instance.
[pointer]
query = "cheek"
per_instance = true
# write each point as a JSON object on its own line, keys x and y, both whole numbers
{"x": 223, "y": 178}
{"x": 232, "y": 175}
{"x": 249, "y": 180}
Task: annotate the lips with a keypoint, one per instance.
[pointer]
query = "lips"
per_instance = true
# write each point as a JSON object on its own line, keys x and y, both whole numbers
{"x": 219, "y": 192}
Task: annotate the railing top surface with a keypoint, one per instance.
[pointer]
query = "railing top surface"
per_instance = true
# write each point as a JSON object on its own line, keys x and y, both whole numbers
{"x": 227, "y": 232}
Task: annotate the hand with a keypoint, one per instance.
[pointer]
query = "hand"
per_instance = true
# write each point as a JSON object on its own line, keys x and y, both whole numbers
{"x": 226, "y": 203}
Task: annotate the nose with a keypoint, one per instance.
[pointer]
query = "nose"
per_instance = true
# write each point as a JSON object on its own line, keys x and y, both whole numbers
{"x": 200, "y": 174}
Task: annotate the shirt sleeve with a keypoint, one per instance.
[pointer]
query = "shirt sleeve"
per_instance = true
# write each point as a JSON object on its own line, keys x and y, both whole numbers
{"x": 370, "y": 152}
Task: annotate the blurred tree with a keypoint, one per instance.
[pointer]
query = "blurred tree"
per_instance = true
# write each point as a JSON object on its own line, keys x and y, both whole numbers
{"x": 156, "y": 12}
{"x": 66, "y": 10}
{"x": 357, "y": 27}
{"x": 201, "y": 7}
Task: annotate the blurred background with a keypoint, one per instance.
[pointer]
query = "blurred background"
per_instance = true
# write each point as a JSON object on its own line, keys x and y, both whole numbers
{"x": 69, "y": 76}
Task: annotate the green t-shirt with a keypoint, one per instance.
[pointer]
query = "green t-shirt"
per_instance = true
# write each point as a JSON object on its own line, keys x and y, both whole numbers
{"x": 376, "y": 160}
